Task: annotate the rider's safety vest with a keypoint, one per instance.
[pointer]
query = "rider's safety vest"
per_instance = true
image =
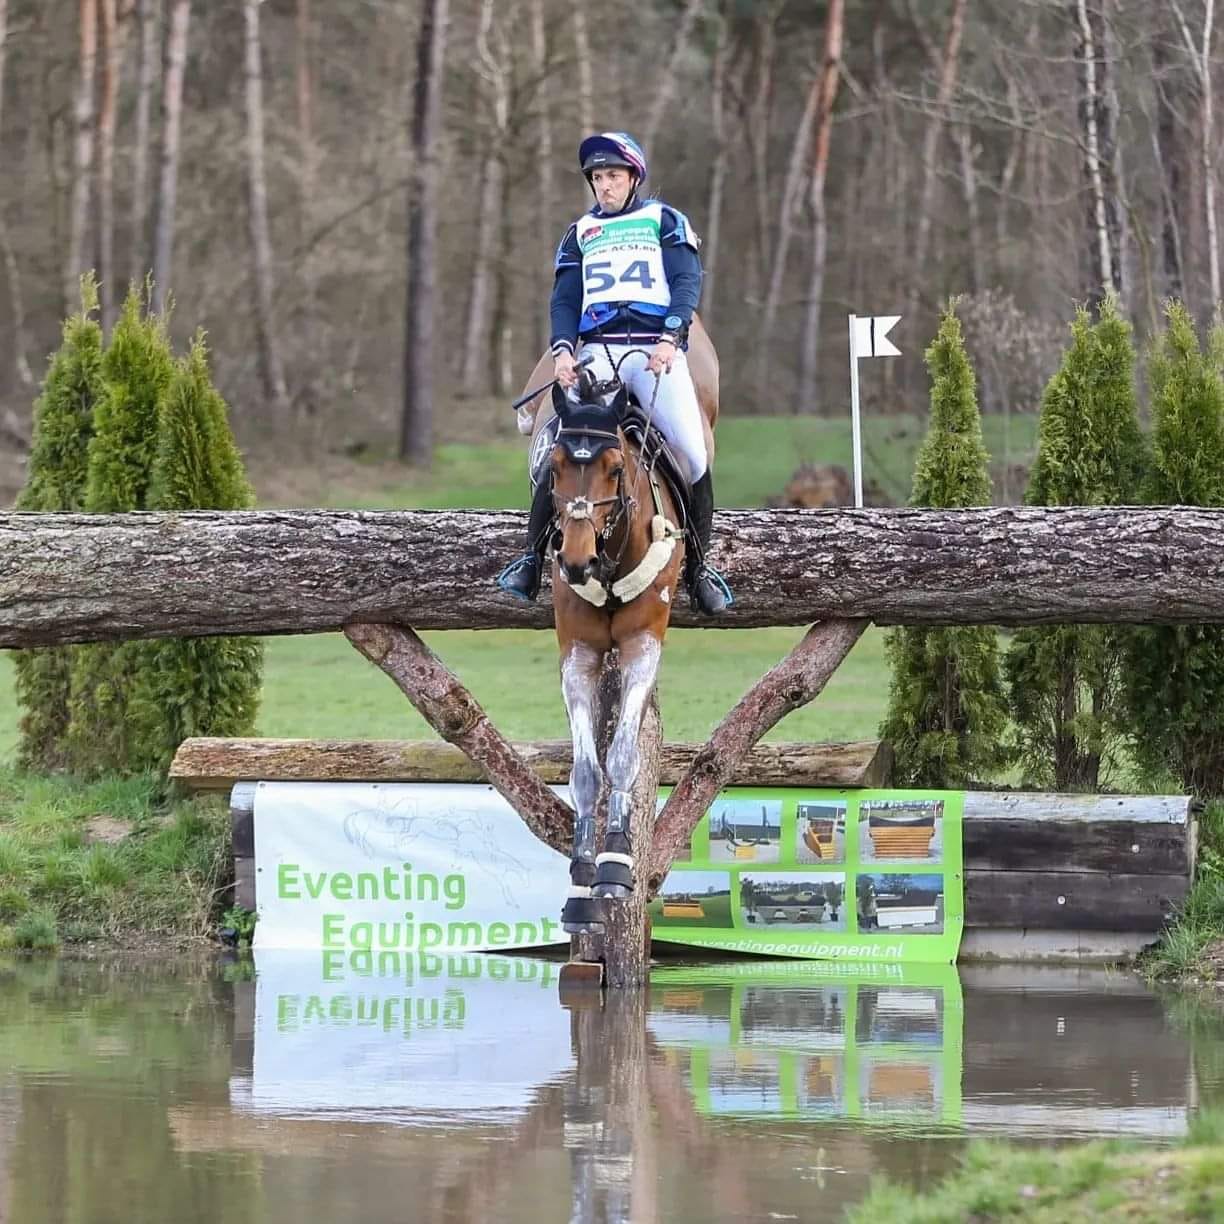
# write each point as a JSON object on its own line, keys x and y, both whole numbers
{"x": 622, "y": 259}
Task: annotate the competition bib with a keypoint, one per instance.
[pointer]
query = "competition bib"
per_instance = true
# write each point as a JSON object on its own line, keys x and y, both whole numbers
{"x": 622, "y": 259}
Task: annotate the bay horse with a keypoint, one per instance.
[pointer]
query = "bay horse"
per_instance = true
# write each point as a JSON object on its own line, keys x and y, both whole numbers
{"x": 618, "y": 553}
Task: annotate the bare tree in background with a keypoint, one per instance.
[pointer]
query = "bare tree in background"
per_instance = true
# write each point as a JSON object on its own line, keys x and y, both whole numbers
{"x": 111, "y": 59}
{"x": 718, "y": 165}
{"x": 1098, "y": 111}
{"x": 270, "y": 368}
{"x": 307, "y": 149}
{"x": 1167, "y": 151}
{"x": 545, "y": 175}
{"x": 827, "y": 84}
{"x": 83, "y": 150}
{"x": 21, "y": 364}
{"x": 146, "y": 78}
{"x": 667, "y": 77}
{"x": 172, "y": 112}
{"x": 582, "y": 51}
{"x": 416, "y": 422}
{"x": 1201, "y": 58}
{"x": 493, "y": 68}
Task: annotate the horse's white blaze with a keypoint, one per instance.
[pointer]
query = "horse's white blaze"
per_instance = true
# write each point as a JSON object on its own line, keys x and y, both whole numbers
{"x": 637, "y": 682}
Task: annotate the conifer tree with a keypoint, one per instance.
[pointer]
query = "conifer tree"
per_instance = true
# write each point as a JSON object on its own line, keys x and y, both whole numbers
{"x": 55, "y": 481}
{"x": 194, "y": 686}
{"x": 946, "y": 715}
{"x": 136, "y": 370}
{"x": 1065, "y": 681}
{"x": 1175, "y": 673}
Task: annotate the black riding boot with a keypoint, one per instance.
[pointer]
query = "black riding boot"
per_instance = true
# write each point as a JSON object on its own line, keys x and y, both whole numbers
{"x": 708, "y": 590}
{"x": 521, "y": 578}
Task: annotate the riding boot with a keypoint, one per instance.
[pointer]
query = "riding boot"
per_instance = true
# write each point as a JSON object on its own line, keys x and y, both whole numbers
{"x": 521, "y": 578}
{"x": 708, "y": 590}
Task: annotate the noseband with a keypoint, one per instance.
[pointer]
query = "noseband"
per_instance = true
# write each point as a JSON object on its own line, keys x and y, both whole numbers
{"x": 582, "y": 507}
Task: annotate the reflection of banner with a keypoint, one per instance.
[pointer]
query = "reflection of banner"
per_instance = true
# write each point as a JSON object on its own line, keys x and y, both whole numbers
{"x": 387, "y": 1036}
{"x": 854, "y": 875}
{"x": 870, "y": 1042}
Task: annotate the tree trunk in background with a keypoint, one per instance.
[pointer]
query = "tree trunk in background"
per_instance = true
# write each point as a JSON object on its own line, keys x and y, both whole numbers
{"x": 17, "y": 304}
{"x": 271, "y": 371}
{"x": 1098, "y": 111}
{"x": 718, "y": 169}
{"x": 830, "y": 77}
{"x": 758, "y": 140}
{"x": 1168, "y": 156}
{"x": 973, "y": 217}
{"x": 304, "y": 31}
{"x": 491, "y": 171}
{"x": 82, "y": 152}
{"x": 146, "y": 76}
{"x": 946, "y": 67}
{"x": 586, "y": 90}
{"x": 545, "y": 174}
{"x": 112, "y": 50}
{"x": 172, "y": 111}
{"x": 667, "y": 76}
{"x": 416, "y": 423}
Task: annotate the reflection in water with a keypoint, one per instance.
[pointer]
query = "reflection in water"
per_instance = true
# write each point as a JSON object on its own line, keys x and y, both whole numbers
{"x": 458, "y": 1088}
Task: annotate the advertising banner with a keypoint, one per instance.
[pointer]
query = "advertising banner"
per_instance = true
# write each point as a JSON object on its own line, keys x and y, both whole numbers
{"x": 830, "y": 874}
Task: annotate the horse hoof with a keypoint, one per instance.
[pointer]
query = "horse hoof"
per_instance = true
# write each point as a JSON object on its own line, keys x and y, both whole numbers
{"x": 613, "y": 870}
{"x": 584, "y": 916}
{"x": 612, "y": 892}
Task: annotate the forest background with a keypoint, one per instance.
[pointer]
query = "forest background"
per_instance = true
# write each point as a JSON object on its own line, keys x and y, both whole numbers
{"x": 359, "y": 200}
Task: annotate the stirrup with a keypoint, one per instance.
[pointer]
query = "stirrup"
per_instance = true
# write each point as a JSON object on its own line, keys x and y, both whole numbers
{"x": 707, "y": 573}
{"x": 528, "y": 586}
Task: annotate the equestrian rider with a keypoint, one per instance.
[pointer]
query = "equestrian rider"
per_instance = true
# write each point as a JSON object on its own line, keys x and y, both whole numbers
{"x": 628, "y": 277}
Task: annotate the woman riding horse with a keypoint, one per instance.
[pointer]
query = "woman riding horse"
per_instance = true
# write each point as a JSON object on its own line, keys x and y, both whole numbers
{"x": 628, "y": 275}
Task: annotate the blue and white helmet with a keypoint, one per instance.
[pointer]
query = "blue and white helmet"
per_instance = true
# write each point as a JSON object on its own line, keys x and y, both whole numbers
{"x": 612, "y": 149}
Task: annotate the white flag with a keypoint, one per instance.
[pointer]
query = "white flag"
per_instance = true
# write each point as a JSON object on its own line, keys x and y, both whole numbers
{"x": 870, "y": 336}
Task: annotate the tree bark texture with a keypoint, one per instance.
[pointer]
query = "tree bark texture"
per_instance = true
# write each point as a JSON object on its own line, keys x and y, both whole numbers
{"x": 172, "y": 112}
{"x": 83, "y": 118}
{"x": 77, "y": 578}
{"x": 271, "y": 370}
{"x": 216, "y": 764}
{"x": 146, "y": 75}
{"x": 786, "y": 687}
{"x": 416, "y": 422}
{"x": 458, "y": 717}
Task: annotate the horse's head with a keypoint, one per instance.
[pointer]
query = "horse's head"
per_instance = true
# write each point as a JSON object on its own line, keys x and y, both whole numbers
{"x": 588, "y": 468}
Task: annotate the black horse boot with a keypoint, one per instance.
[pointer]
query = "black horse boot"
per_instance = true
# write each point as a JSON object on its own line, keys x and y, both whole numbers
{"x": 521, "y": 578}
{"x": 707, "y": 588}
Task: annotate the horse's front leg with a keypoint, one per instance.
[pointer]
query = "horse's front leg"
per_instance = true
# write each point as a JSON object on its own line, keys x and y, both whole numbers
{"x": 639, "y": 665}
{"x": 580, "y": 668}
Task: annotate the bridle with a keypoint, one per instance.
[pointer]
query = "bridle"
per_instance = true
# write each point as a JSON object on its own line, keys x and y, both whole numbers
{"x": 580, "y": 508}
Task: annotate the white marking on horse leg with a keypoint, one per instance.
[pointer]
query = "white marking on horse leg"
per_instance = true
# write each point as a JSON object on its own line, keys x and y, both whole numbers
{"x": 639, "y": 672}
{"x": 579, "y": 682}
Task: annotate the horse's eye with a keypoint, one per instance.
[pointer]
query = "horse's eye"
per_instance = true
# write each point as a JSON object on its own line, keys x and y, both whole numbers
{"x": 616, "y": 473}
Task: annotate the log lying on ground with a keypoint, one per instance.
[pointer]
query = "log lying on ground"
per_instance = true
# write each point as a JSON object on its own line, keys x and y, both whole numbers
{"x": 76, "y": 578}
{"x": 216, "y": 764}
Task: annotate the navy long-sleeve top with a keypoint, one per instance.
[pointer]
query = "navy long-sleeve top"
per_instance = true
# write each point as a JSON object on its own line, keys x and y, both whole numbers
{"x": 681, "y": 265}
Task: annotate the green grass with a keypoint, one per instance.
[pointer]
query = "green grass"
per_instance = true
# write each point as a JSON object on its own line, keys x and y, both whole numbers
{"x": 1083, "y": 1184}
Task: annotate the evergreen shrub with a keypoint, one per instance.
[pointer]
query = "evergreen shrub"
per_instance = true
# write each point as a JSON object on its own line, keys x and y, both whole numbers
{"x": 1065, "y": 681}
{"x": 1175, "y": 673}
{"x": 55, "y": 481}
{"x": 946, "y": 716}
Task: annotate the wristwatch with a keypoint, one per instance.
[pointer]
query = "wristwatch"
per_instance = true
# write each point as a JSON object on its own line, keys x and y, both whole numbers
{"x": 673, "y": 325}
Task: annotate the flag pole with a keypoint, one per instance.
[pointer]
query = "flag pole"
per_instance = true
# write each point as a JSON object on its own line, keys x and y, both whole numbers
{"x": 854, "y": 419}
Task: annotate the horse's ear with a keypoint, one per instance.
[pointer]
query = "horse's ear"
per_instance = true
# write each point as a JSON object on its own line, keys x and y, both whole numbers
{"x": 560, "y": 402}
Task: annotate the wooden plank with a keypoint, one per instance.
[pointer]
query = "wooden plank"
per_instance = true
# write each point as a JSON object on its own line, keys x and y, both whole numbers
{"x": 216, "y": 764}
{"x": 1109, "y": 846}
{"x": 1089, "y": 901}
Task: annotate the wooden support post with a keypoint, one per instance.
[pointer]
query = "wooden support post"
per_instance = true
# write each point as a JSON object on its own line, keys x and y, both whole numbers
{"x": 786, "y": 687}
{"x": 458, "y": 717}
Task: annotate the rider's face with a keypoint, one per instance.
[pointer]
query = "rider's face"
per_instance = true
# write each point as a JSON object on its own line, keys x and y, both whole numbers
{"x": 612, "y": 187}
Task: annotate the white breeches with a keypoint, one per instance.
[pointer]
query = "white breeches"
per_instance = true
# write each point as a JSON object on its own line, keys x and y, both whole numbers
{"x": 676, "y": 410}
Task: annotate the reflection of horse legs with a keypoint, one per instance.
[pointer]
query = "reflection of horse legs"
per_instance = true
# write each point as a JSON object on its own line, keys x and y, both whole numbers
{"x": 639, "y": 663}
{"x": 579, "y": 685}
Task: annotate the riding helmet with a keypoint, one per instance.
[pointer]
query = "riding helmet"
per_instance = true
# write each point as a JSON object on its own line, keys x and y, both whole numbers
{"x": 612, "y": 149}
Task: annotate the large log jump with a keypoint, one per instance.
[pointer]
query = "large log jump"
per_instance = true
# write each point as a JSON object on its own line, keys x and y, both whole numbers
{"x": 382, "y": 576}
{"x": 76, "y": 578}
